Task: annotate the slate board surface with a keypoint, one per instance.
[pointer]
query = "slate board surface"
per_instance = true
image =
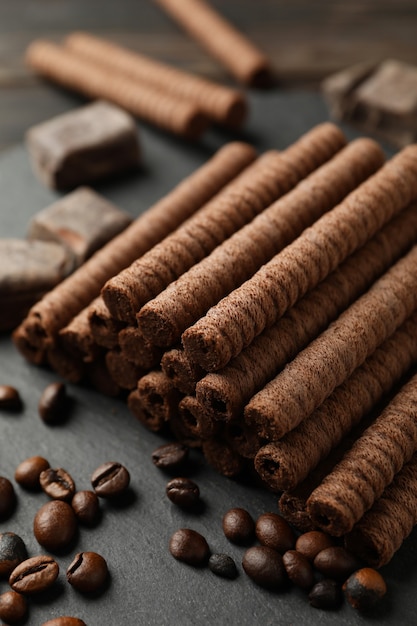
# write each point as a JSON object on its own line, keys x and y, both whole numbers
{"x": 147, "y": 585}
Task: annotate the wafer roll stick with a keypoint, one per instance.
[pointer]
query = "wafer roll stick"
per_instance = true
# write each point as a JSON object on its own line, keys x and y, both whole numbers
{"x": 180, "y": 370}
{"x": 221, "y": 456}
{"x": 238, "y": 318}
{"x": 331, "y": 358}
{"x": 182, "y": 432}
{"x": 136, "y": 349}
{"x": 222, "y": 104}
{"x": 68, "y": 366}
{"x": 125, "y": 373}
{"x": 369, "y": 466}
{"x": 381, "y": 531}
{"x": 244, "y": 439}
{"x": 284, "y": 464}
{"x": 77, "y": 338}
{"x": 193, "y": 415}
{"x": 103, "y": 328}
{"x": 75, "y": 72}
{"x": 61, "y": 304}
{"x": 184, "y": 301}
{"x": 157, "y": 395}
{"x": 99, "y": 377}
{"x": 260, "y": 184}
{"x": 220, "y": 39}
{"x": 152, "y": 421}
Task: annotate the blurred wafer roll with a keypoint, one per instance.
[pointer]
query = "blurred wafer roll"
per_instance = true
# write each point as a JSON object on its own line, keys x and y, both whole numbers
{"x": 67, "y": 365}
{"x": 180, "y": 370}
{"x": 137, "y": 349}
{"x": 238, "y": 318}
{"x": 193, "y": 415}
{"x": 78, "y": 340}
{"x": 222, "y": 457}
{"x": 125, "y": 373}
{"x": 99, "y": 377}
{"x": 104, "y": 328}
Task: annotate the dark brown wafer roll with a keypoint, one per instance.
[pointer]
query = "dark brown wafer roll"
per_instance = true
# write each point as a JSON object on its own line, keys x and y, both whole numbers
{"x": 193, "y": 416}
{"x": 77, "y": 338}
{"x": 222, "y": 40}
{"x": 103, "y": 327}
{"x": 184, "y": 301}
{"x": 124, "y": 373}
{"x": 284, "y": 464}
{"x": 157, "y": 395}
{"x": 180, "y": 370}
{"x": 268, "y": 178}
{"x": 369, "y": 466}
{"x": 99, "y": 377}
{"x": 136, "y": 349}
{"x": 233, "y": 323}
{"x": 152, "y": 421}
{"x": 59, "y": 306}
{"x": 244, "y": 439}
{"x": 381, "y": 531}
{"x": 66, "y": 364}
{"x": 222, "y": 104}
{"x": 221, "y": 456}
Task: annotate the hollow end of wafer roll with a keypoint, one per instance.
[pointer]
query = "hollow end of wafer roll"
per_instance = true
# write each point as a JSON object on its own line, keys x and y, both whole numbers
{"x": 267, "y": 464}
{"x": 196, "y": 421}
{"x": 329, "y": 517}
{"x": 218, "y": 397}
{"x": 33, "y": 354}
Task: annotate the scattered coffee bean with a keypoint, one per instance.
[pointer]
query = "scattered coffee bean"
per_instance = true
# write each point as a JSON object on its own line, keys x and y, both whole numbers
{"x": 13, "y": 607}
{"x": 12, "y": 552}
{"x": 110, "y": 479}
{"x": 313, "y": 542}
{"x": 189, "y": 546}
{"x": 273, "y": 531}
{"x": 86, "y": 507}
{"x": 9, "y": 398}
{"x": 88, "y": 572}
{"x": 52, "y": 403}
{"x": 64, "y": 621}
{"x": 57, "y": 484}
{"x": 299, "y": 569}
{"x": 28, "y": 472}
{"x": 336, "y": 562}
{"x": 183, "y": 492}
{"x": 7, "y": 498}
{"x": 326, "y": 594}
{"x": 364, "y": 588}
{"x": 265, "y": 567}
{"x": 34, "y": 575}
{"x": 223, "y": 565}
{"x": 55, "y": 525}
{"x": 170, "y": 455}
{"x": 238, "y": 526}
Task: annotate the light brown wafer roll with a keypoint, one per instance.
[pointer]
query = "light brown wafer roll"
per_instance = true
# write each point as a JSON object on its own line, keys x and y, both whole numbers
{"x": 369, "y": 466}
{"x": 152, "y": 421}
{"x": 193, "y": 416}
{"x": 381, "y": 531}
{"x": 221, "y": 456}
{"x": 180, "y": 370}
{"x": 124, "y": 373}
{"x": 284, "y": 464}
{"x": 233, "y": 323}
{"x": 268, "y": 178}
{"x": 222, "y": 104}
{"x": 60, "y": 305}
{"x": 103, "y": 327}
{"x": 157, "y": 395}
{"x": 222, "y": 40}
{"x": 136, "y": 349}
{"x": 184, "y": 301}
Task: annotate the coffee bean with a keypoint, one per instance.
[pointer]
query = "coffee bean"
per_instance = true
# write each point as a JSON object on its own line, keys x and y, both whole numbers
{"x": 313, "y": 542}
{"x": 183, "y": 492}
{"x": 189, "y": 546}
{"x": 336, "y": 562}
{"x": 223, "y": 565}
{"x": 9, "y": 398}
{"x": 55, "y": 525}
{"x": 265, "y": 567}
{"x": 12, "y": 552}
{"x": 53, "y": 403}
{"x": 238, "y": 526}
{"x": 364, "y": 588}
{"x": 57, "y": 484}
{"x": 273, "y": 531}
{"x": 170, "y": 455}
{"x": 86, "y": 507}
{"x": 13, "y": 607}
{"x": 64, "y": 621}
{"x": 110, "y": 479}
{"x": 326, "y": 594}
{"x": 34, "y": 575}
{"x": 88, "y": 572}
{"x": 7, "y": 498}
{"x": 28, "y": 472}
{"x": 298, "y": 569}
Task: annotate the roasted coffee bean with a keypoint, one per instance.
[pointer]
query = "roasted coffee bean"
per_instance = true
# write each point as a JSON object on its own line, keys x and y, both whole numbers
{"x": 336, "y": 562}
{"x": 12, "y": 552}
{"x": 13, "y": 607}
{"x": 110, "y": 479}
{"x": 326, "y": 594}
{"x": 223, "y": 565}
{"x": 273, "y": 531}
{"x": 238, "y": 526}
{"x": 57, "y": 484}
{"x": 28, "y": 472}
{"x": 53, "y": 403}
{"x": 88, "y": 572}
{"x": 189, "y": 546}
{"x": 364, "y": 588}
{"x": 313, "y": 542}
{"x": 183, "y": 492}
{"x": 265, "y": 567}
{"x": 10, "y": 398}
{"x": 7, "y": 498}
{"x": 298, "y": 569}
{"x": 86, "y": 507}
{"x": 34, "y": 575}
{"x": 170, "y": 455}
{"x": 55, "y": 525}
{"x": 65, "y": 621}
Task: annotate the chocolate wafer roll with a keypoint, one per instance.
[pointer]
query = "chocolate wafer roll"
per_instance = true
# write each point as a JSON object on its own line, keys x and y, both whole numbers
{"x": 221, "y": 456}
{"x": 244, "y": 439}
{"x": 184, "y": 301}
{"x": 369, "y": 466}
{"x": 238, "y": 318}
{"x": 99, "y": 377}
{"x": 180, "y": 370}
{"x": 66, "y": 364}
{"x": 284, "y": 464}
{"x": 151, "y": 420}
{"x": 157, "y": 395}
{"x": 381, "y": 531}
{"x": 222, "y": 104}
{"x": 124, "y": 373}
{"x": 77, "y": 339}
{"x": 182, "y": 432}
{"x": 137, "y": 349}
{"x": 250, "y": 193}
{"x": 103, "y": 327}
{"x": 197, "y": 422}
{"x": 220, "y": 39}
{"x": 61, "y": 304}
